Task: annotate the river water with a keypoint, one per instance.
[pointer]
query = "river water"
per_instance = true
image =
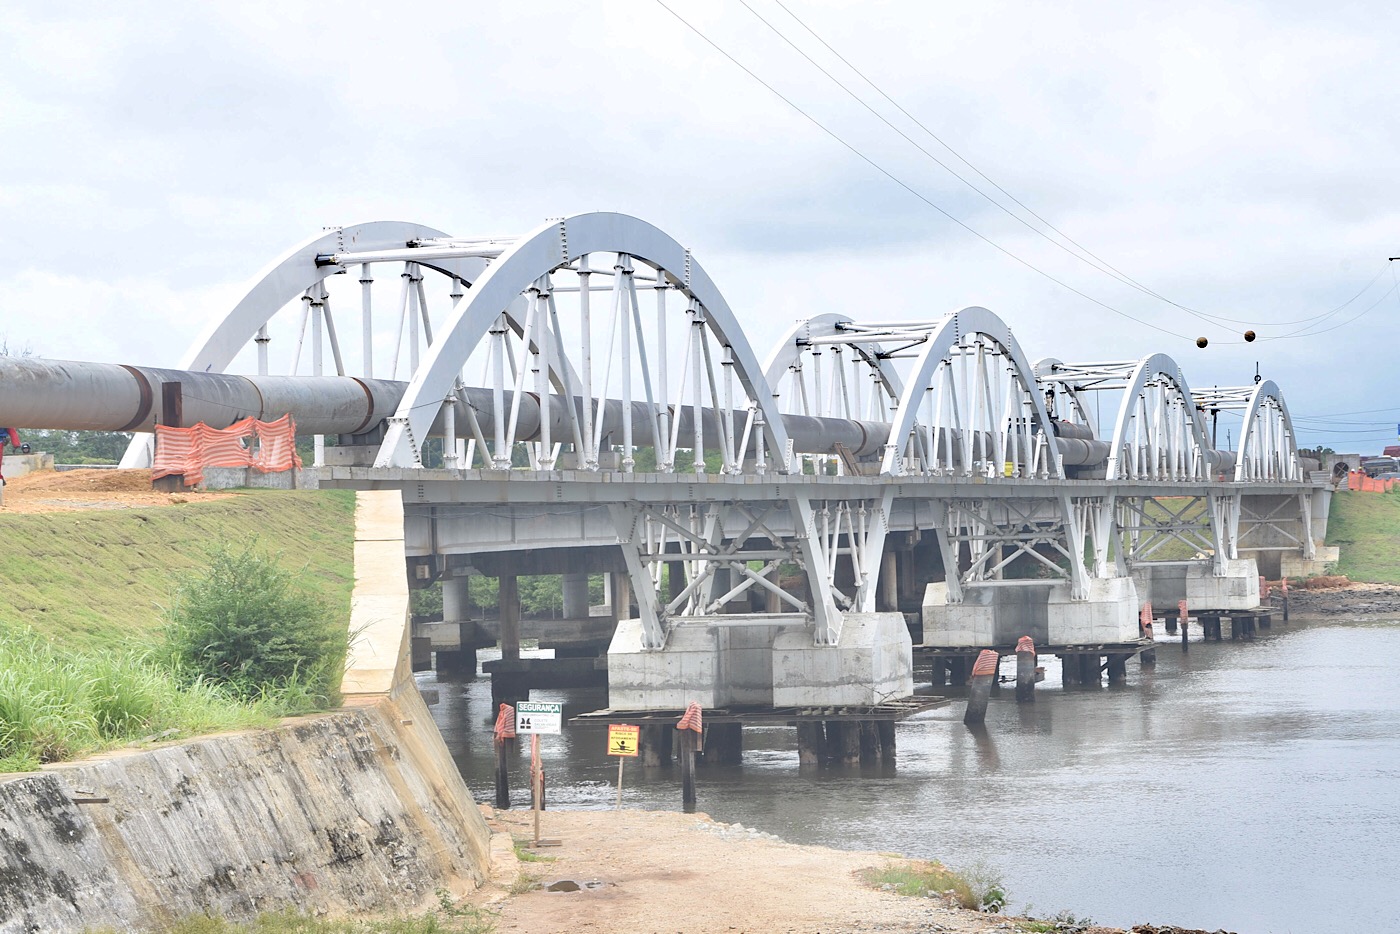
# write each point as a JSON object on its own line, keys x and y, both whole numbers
{"x": 1249, "y": 786}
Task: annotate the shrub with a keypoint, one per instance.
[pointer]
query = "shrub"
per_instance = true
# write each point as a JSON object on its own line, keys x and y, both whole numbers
{"x": 246, "y": 622}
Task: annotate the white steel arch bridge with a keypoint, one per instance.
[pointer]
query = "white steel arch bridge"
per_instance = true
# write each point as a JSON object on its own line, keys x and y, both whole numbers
{"x": 591, "y": 386}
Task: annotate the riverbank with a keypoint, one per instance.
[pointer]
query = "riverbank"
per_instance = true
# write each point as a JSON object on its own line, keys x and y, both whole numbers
{"x": 1345, "y": 598}
{"x": 648, "y": 871}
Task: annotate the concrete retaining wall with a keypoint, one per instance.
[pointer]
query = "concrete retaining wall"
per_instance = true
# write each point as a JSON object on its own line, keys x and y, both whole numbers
{"x": 361, "y": 809}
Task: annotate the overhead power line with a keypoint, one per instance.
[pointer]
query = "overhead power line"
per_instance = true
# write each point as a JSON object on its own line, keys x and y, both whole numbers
{"x": 1094, "y": 260}
{"x": 909, "y": 188}
{"x": 1078, "y": 251}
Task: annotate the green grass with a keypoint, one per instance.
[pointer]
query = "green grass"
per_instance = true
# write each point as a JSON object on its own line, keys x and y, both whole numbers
{"x": 98, "y": 579}
{"x": 1367, "y": 527}
{"x": 57, "y": 705}
{"x": 526, "y": 855}
{"x": 455, "y": 920}
{"x": 81, "y": 665}
{"x": 979, "y": 889}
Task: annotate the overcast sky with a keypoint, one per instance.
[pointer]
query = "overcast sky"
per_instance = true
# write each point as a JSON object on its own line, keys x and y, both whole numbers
{"x": 1238, "y": 159}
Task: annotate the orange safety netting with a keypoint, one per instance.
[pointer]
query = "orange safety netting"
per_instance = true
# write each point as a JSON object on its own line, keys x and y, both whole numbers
{"x": 1025, "y": 644}
{"x": 188, "y": 451}
{"x": 505, "y": 723}
{"x": 1359, "y": 480}
{"x": 691, "y": 719}
{"x": 986, "y": 663}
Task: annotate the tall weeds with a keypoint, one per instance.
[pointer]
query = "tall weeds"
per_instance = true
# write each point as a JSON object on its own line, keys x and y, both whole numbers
{"x": 57, "y": 705}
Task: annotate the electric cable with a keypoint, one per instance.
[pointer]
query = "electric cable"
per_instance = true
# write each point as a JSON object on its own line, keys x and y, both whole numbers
{"x": 913, "y": 191}
{"x": 1098, "y": 263}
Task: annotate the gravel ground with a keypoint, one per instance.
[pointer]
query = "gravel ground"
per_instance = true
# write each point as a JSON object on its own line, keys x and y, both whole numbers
{"x": 663, "y": 871}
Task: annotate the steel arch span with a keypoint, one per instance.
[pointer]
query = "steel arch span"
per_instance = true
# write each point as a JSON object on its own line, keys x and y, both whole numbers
{"x": 971, "y": 406}
{"x": 1268, "y": 448}
{"x": 299, "y": 272}
{"x": 528, "y": 267}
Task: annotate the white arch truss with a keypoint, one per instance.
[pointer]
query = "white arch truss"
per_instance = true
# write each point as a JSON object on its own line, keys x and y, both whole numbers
{"x": 301, "y": 272}
{"x": 654, "y": 405}
{"x": 1268, "y": 448}
{"x": 831, "y": 366}
{"x": 971, "y": 406}
{"x": 1159, "y": 433}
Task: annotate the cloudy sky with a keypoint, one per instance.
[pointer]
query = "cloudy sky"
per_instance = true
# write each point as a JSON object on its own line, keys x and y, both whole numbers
{"x": 1238, "y": 159}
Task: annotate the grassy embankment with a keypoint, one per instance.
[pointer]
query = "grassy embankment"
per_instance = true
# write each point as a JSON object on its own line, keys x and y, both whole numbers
{"x": 80, "y": 666}
{"x": 1367, "y": 527}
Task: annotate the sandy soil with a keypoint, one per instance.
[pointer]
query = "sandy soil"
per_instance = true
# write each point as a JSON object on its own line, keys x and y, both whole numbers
{"x": 663, "y": 871}
{"x": 74, "y": 490}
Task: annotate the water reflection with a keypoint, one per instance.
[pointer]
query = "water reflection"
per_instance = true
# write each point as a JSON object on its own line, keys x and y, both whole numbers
{"x": 1249, "y": 785}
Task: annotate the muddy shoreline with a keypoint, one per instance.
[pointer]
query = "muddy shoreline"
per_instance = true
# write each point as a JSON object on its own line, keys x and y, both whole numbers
{"x": 1345, "y": 599}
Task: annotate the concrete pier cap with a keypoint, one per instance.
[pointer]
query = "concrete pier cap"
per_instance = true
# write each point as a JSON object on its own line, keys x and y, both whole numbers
{"x": 761, "y": 660}
{"x": 999, "y": 615}
{"x": 1163, "y": 585}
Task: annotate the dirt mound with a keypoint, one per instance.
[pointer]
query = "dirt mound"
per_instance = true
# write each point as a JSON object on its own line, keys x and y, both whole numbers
{"x": 1326, "y": 582}
{"x": 69, "y": 490}
{"x": 84, "y": 481}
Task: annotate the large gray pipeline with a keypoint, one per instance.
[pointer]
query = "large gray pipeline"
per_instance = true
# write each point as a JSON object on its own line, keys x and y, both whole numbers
{"x": 73, "y": 396}
{"x": 107, "y": 397}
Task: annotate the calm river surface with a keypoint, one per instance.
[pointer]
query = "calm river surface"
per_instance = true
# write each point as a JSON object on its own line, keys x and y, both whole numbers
{"x": 1250, "y": 786}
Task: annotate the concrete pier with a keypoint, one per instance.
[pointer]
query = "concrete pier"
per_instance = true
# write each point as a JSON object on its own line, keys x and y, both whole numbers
{"x": 991, "y": 615}
{"x": 761, "y": 660}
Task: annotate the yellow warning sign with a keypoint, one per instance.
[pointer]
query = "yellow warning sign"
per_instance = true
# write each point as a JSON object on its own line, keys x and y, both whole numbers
{"x": 622, "y": 739}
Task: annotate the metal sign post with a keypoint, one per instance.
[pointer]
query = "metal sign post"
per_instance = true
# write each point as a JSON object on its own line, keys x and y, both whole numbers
{"x": 534, "y": 719}
{"x": 623, "y": 741}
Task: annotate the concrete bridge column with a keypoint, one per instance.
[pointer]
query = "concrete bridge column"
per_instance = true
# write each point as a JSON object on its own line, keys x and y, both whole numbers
{"x": 620, "y": 594}
{"x": 509, "y": 599}
{"x": 456, "y": 595}
{"x": 575, "y": 596}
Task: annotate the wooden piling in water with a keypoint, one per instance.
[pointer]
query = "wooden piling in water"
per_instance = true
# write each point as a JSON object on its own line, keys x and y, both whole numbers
{"x": 843, "y": 742}
{"x": 656, "y": 744}
{"x": 687, "y": 756}
{"x": 724, "y": 745}
{"x": 869, "y": 742}
{"x": 691, "y": 729}
{"x": 939, "y": 674}
{"x": 1069, "y": 670}
{"x": 1025, "y": 669}
{"x": 811, "y": 743}
{"x": 1148, "y": 658}
{"x": 885, "y": 729}
{"x": 504, "y": 742}
{"x": 1117, "y": 668}
{"x": 979, "y": 688}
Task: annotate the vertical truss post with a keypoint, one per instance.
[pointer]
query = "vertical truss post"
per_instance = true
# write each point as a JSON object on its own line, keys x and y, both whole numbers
{"x": 874, "y": 548}
{"x": 1074, "y": 521}
{"x": 824, "y": 613}
{"x": 947, "y": 548}
{"x": 1305, "y": 510}
{"x": 367, "y": 319}
{"x": 628, "y": 521}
